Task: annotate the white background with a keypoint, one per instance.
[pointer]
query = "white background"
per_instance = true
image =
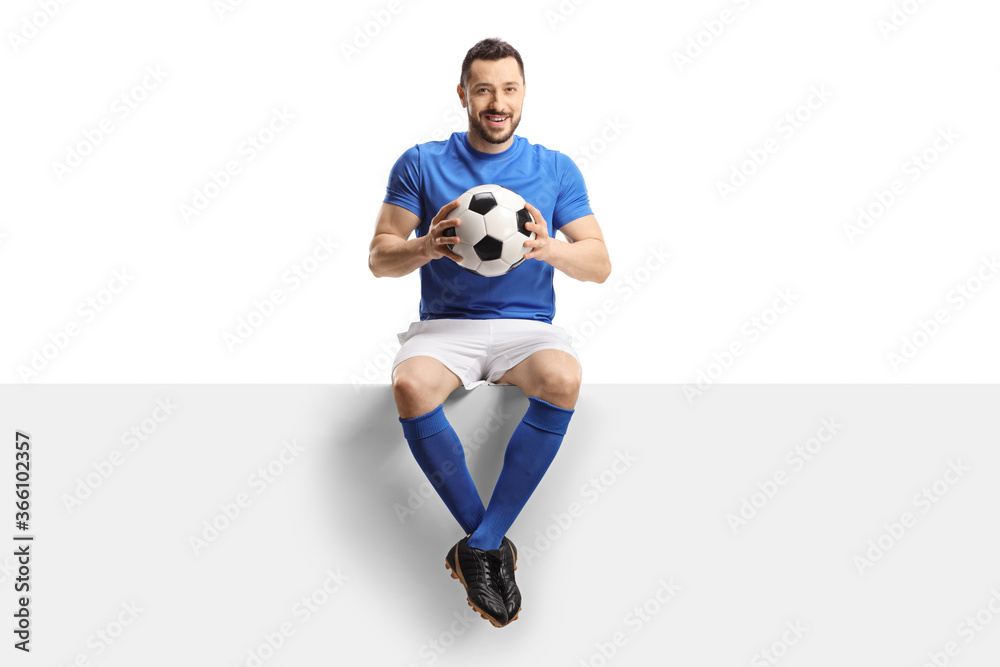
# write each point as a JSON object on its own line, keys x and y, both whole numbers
{"x": 602, "y": 76}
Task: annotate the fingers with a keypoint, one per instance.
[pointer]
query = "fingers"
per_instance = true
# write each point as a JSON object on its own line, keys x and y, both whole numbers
{"x": 539, "y": 229}
{"x": 538, "y": 224}
{"x": 445, "y": 210}
{"x": 536, "y": 246}
{"x": 443, "y": 226}
{"x": 438, "y": 241}
{"x": 440, "y": 248}
{"x": 442, "y": 240}
{"x": 540, "y": 238}
{"x": 438, "y": 227}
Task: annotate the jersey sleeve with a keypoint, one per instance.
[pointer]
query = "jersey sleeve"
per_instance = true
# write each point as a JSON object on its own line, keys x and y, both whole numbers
{"x": 573, "y": 201}
{"x": 404, "y": 183}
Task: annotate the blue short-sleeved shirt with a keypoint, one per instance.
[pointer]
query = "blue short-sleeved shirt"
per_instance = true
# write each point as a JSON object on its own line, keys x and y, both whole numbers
{"x": 428, "y": 176}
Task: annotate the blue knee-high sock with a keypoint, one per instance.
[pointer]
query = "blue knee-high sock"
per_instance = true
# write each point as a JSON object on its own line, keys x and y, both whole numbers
{"x": 530, "y": 451}
{"x": 439, "y": 453}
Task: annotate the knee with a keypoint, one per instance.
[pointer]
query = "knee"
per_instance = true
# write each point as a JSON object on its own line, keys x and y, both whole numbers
{"x": 403, "y": 385}
{"x": 409, "y": 392}
{"x": 560, "y": 384}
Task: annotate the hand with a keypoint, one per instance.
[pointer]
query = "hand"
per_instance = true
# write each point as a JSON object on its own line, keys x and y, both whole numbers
{"x": 436, "y": 242}
{"x": 541, "y": 245}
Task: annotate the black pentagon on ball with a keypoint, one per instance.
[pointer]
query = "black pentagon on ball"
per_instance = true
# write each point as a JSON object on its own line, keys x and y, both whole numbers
{"x": 523, "y": 217}
{"x": 489, "y": 248}
{"x": 482, "y": 203}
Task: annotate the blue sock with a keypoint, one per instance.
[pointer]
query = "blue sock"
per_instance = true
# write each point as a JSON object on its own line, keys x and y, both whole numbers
{"x": 530, "y": 451}
{"x": 439, "y": 453}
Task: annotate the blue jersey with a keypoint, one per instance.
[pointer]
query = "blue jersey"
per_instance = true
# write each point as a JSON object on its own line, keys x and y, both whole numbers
{"x": 428, "y": 176}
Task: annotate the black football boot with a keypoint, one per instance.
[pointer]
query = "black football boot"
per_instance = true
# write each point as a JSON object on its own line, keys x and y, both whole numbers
{"x": 480, "y": 572}
{"x": 508, "y": 587}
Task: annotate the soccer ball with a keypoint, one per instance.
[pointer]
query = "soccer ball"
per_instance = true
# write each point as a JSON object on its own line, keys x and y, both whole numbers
{"x": 492, "y": 231}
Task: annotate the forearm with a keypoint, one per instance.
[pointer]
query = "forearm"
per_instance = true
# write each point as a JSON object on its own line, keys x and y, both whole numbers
{"x": 586, "y": 259}
{"x": 392, "y": 257}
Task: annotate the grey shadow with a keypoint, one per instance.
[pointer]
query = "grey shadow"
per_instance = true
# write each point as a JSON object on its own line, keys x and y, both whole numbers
{"x": 371, "y": 469}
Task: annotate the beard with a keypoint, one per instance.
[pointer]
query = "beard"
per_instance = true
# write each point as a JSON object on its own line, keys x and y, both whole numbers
{"x": 491, "y": 134}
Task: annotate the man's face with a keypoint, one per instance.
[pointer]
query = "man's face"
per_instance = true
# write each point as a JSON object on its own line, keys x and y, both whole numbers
{"x": 493, "y": 99}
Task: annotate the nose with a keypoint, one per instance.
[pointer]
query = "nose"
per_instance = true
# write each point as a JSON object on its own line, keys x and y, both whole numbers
{"x": 497, "y": 100}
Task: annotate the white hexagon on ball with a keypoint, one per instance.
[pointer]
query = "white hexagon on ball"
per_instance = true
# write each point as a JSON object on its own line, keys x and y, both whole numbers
{"x": 493, "y": 268}
{"x": 508, "y": 199}
{"x": 514, "y": 248}
{"x": 470, "y": 260}
{"x": 472, "y": 228}
{"x": 499, "y": 223}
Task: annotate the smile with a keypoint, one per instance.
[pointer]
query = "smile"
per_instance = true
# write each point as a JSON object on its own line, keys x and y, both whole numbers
{"x": 496, "y": 121}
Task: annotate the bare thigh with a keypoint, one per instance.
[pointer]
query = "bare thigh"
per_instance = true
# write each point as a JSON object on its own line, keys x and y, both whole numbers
{"x": 551, "y": 375}
{"x": 420, "y": 384}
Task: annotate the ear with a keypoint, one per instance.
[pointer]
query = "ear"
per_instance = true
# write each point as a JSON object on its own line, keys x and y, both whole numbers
{"x": 461, "y": 95}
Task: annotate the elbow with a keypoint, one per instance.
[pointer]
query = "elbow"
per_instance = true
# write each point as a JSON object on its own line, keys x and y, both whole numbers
{"x": 372, "y": 265}
{"x": 604, "y": 273}
{"x": 375, "y": 260}
{"x": 604, "y": 263}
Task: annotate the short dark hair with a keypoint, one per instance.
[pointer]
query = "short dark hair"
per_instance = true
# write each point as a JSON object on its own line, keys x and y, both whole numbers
{"x": 492, "y": 48}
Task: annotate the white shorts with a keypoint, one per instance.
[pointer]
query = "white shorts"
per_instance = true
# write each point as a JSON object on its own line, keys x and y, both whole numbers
{"x": 481, "y": 351}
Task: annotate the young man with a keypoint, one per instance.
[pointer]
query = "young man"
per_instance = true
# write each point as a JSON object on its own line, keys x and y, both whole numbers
{"x": 475, "y": 330}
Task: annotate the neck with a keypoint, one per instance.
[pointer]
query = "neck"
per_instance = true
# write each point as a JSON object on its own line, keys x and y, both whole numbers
{"x": 484, "y": 146}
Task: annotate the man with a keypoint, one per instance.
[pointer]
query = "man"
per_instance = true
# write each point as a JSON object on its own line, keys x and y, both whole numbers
{"x": 475, "y": 330}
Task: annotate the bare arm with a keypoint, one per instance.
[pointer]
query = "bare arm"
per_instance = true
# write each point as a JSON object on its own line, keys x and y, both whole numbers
{"x": 583, "y": 257}
{"x": 392, "y": 253}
